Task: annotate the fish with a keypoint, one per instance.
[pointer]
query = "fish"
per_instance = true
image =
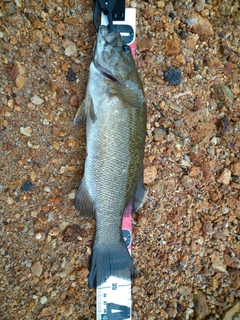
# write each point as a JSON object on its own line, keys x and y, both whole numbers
{"x": 115, "y": 112}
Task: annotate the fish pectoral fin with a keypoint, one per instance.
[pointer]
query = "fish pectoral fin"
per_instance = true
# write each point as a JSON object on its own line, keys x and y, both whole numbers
{"x": 140, "y": 195}
{"x": 130, "y": 93}
{"x": 83, "y": 202}
{"x": 81, "y": 114}
{"x": 91, "y": 111}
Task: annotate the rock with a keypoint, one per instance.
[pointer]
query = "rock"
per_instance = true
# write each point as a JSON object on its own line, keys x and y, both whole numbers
{"x": 150, "y": 174}
{"x": 36, "y": 100}
{"x": 71, "y": 49}
{"x": 235, "y": 310}
{"x": 228, "y": 69}
{"x": 217, "y": 264}
{"x": 183, "y": 34}
{"x": 73, "y": 101}
{"x": 47, "y": 312}
{"x": 9, "y": 8}
{"x": 27, "y": 186}
{"x": 161, "y": 4}
{"x": 13, "y": 72}
{"x": 144, "y": 44}
{"x": 72, "y": 232}
{"x": 20, "y": 81}
{"x": 194, "y": 172}
{"x": 201, "y": 307}
{"x": 71, "y": 195}
{"x": 225, "y": 177}
{"x": 192, "y": 41}
{"x": 43, "y": 299}
{"x": 61, "y": 30}
{"x": 224, "y": 93}
{"x": 26, "y": 131}
{"x": 158, "y": 134}
{"x": 18, "y": 3}
{"x": 236, "y": 169}
{"x": 199, "y": 6}
{"x": 37, "y": 269}
{"x": 173, "y": 76}
{"x": 47, "y": 189}
{"x": 212, "y": 62}
{"x": 197, "y": 102}
{"x": 172, "y": 46}
{"x": 71, "y": 76}
{"x": 200, "y": 25}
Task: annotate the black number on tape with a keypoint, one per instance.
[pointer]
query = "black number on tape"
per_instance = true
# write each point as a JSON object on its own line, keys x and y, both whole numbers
{"x": 116, "y": 312}
{"x": 114, "y": 286}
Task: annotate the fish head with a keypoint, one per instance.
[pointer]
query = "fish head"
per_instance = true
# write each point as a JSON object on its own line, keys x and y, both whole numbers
{"x": 113, "y": 57}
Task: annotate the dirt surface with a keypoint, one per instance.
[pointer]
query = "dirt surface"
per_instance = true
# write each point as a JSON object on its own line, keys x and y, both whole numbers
{"x": 185, "y": 247}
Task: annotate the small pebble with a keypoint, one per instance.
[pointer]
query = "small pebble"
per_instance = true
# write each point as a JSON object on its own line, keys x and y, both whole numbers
{"x": 71, "y": 76}
{"x": 173, "y": 76}
{"x": 225, "y": 177}
{"x": 201, "y": 307}
{"x": 43, "y": 299}
{"x": 158, "y": 134}
{"x": 20, "y": 81}
{"x": 236, "y": 169}
{"x": 224, "y": 93}
{"x": 27, "y": 186}
{"x": 71, "y": 50}
{"x": 26, "y": 131}
{"x": 36, "y": 100}
{"x": 183, "y": 34}
{"x": 37, "y": 269}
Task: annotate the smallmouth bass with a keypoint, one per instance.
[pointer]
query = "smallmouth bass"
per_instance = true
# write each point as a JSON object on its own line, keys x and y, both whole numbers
{"x": 115, "y": 112}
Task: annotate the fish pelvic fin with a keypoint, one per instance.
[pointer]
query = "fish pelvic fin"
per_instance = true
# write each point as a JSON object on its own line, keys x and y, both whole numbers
{"x": 110, "y": 260}
{"x": 83, "y": 202}
{"x": 80, "y": 116}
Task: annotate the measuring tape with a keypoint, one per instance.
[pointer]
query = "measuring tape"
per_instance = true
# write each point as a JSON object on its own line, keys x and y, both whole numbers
{"x": 114, "y": 296}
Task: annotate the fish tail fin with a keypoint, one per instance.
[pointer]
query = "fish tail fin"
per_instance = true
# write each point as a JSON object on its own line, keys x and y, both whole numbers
{"x": 110, "y": 260}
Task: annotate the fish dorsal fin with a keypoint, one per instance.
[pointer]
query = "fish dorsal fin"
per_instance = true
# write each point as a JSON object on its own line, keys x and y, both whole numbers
{"x": 130, "y": 93}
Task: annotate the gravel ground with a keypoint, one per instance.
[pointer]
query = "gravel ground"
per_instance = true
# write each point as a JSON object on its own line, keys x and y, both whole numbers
{"x": 185, "y": 247}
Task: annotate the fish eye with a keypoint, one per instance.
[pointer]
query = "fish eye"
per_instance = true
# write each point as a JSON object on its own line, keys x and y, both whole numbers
{"x": 126, "y": 48}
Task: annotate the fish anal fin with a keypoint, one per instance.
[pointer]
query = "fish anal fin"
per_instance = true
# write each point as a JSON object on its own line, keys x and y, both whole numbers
{"x": 83, "y": 202}
{"x": 140, "y": 195}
